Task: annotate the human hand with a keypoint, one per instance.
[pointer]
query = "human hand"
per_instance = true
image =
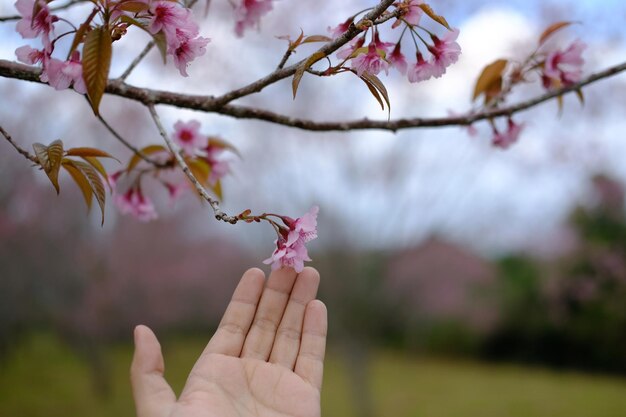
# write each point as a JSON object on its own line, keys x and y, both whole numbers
{"x": 264, "y": 360}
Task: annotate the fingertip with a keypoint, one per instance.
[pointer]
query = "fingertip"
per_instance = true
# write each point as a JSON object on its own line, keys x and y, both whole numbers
{"x": 254, "y": 274}
{"x": 311, "y": 274}
{"x": 318, "y": 309}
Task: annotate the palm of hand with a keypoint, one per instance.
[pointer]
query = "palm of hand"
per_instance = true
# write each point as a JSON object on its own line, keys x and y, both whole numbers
{"x": 265, "y": 360}
{"x": 249, "y": 387}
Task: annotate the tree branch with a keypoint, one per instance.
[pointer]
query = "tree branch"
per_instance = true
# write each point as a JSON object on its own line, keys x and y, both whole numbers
{"x": 208, "y": 104}
{"x": 129, "y": 145}
{"x": 327, "y": 49}
{"x": 22, "y": 152}
{"x": 215, "y": 205}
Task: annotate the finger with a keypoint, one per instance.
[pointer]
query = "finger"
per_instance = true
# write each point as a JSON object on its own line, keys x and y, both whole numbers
{"x": 310, "y": 362}
{"x": 261, "y": 336}
{"x": 231, "y": 333}
{"x": 153, "y": 396}
{"x": 287, "y": 342}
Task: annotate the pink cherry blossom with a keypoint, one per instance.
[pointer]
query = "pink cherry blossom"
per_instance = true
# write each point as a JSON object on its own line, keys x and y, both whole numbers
{"x": 414, "y": 12}
{"x": 304, "y": 228}
{"x": 288, "y": 256}
{"x": 353, "y": 45}
{"x": 340, "y": 29}
{"x": 248, "y": 14}
{"x": 133, "y": 202}
{"x": 384, "y": 46}
{"x": 62, "y": 74}
{"x": 188, "y": 137}
{"x": 564, "y": 68}
{"x": 42, "y": 24}
{"x": 397, "y": 60}
{"x": 189, "y": 48}
{"x": 167, "y": 16}
{"x": 30, "y": 56}
{"x": 175, "y": 191}
{"x": 510, "y": 136}
{"x": 219, "y": 167}
{"x": 445, "y": 52}
{"x": 421, "y": 70}
{"x": 370, "y": 62}
{"x": 290, "y": 247}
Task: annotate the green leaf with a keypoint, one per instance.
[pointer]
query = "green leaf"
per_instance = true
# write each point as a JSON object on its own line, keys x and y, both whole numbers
{"x": 97, "y": 52}
{"x": 302, "y": 68}
{"x": 148, "y": 150}
{"x": 50, "y": 158}
{"x": 80, "y": 180}
{"x": 552, "y": 29}
{"x": 490, "y": 79}
{"x": 431, "y": 13}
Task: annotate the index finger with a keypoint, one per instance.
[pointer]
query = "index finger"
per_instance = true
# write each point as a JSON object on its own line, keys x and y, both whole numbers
{"x": 231, "y": 333}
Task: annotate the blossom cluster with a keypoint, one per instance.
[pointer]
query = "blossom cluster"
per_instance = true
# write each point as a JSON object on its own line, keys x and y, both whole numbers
{"x": 290, "y": 249}
{"x": 160, "y": 18}
{"x": 248, "y": 14}
{"x": 198, "y": 150}
{"x": 376, "y": 55}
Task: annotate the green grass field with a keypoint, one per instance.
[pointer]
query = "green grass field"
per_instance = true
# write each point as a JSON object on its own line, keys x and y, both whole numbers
{"x": 42, "y": 378}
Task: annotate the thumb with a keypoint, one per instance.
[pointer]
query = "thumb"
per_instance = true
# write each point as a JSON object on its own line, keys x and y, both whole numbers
{"x": 153, "y": 396}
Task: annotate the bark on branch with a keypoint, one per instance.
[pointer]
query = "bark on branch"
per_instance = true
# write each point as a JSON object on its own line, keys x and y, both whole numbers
{"x": 146, "y": 96}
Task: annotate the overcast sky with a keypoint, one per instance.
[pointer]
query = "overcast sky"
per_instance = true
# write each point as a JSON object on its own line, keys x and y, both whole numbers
{"x": 378, "y": 189}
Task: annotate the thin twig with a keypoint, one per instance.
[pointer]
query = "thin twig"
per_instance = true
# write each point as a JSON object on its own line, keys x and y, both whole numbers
{"x": 22, "y": 152}
{"x": 137, "y": 60}
{"x": 52, "y": 9}
{"x": 285, "y": 57}
{"x": 130, "y": 146}
{"x": 215, "y": 205}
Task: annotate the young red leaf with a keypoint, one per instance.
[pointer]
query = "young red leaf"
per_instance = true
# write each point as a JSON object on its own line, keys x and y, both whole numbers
{"x": 133, "y": 6}
{"x": 97, "y": 52}
{"x": 80, "y": 180}
{"x": 200, "y": 169}
{"x": 220, "y": 143}
{"x": 96, "y": 183}
{"x": 148, "y": 150}
{"x": 316, "y": 38}
{"x": 158, "y": 38}
{"x": 379, "y": 86}
{"x": 490, "y": 78}
{"x": 94, "y": 162}
{"x": 431, "y": 13}
{"x": 217, "y": 190}
{"x": 581, "y": 97}
{"x": 50, "y": 158}
{"x": 302, "y": 68}
{"x": 85, "y": 151}
{"x": 81, "y": 32}
{"x": 553, "y": 28}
